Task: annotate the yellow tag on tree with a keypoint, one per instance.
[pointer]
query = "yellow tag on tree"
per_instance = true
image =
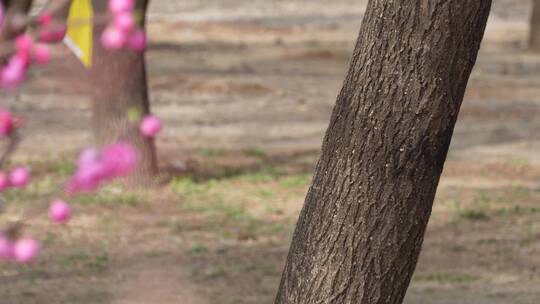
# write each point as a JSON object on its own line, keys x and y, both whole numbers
{"x": 80, "y": 30}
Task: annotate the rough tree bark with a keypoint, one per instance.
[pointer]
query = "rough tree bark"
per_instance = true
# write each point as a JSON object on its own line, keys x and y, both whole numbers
{"x": 534, "y": 43}
{"x": 363, "y": 222}
{"x": 13, "y": 8}
{"x": 118, "y": 82}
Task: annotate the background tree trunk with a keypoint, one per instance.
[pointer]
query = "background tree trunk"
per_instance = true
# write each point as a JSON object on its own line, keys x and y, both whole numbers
{"x": 12, "y": 8}
{"x": 363, "y": 222}
{"x": 119, "y": 84}
{"x": 534, "y": 42}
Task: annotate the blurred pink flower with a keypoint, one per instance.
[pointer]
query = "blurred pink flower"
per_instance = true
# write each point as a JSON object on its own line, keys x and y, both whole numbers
{"x": 113, "y": 39}
{"x": 59, "y": 211}
{"x": 121, "y": 6}
{"x": 6, "y": 248}
{"x": 150, "y": 126}
{"x": 6, "y": 123}
{"x": 138, "y": 41}
{"x": 25, "y": 250}
{"x": 19, "y": 177}
{"x": 94, "y": 168}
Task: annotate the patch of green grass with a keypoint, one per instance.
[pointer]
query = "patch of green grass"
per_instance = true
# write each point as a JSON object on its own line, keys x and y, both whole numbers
{"x": 108, "y": 197}
{"x": 100, "y": 262}
{"x": 517, "y": 210}
{"x": 214, "y": 272}
{"x": 482, "y": 198}
{"x": 474, "y": 214}
{"x": 199, "y": 249}
{"x": 83, "y": 260}
{"x": 63, "y": 168}
{"x": 519, "y": 192}
{"x": 296, "y": 181}
{"x": 257, "y": 177}
{"x": 188, "y": 187}
{"x": 258, "y": 153}
{"x": 265, "y": 194}
{"x": 36, "y": 190}
{"x": 519, "y": 162}
{"x": 272, "y": 228}
{"x": 211, "y": 153}
{"x": 447, "y": 278}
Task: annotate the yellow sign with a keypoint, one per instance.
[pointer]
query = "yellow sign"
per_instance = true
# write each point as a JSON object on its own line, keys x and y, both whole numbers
{"x": 79, "y": 32}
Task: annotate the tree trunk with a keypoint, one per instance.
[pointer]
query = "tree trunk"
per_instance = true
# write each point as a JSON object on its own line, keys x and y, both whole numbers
{"x": 535, "y": 27}
{"x": 363, "y": 222}
{"x": 11, "y": 30}
{"x": 119, "y": 85}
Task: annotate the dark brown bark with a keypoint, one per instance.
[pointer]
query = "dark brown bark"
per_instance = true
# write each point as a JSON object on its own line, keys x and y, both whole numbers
{"x": 13, "y": 25}
{"x": 119, "y": 85}
{"x": 363, "y": 222}
{"x": 534, "y": 42}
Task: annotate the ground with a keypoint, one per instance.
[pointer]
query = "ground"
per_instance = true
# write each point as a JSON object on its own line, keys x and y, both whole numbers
{"x": 246, "y": 89}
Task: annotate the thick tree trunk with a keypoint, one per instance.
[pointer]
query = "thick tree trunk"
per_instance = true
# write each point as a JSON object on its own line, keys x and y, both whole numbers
{"x": 119, "y": 85}
{"x": 13, "y": 8}
{"x": 362, "y": 226}
{"x": 534, "y": 42}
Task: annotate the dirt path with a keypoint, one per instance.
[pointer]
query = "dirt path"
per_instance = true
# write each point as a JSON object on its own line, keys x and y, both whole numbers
{"x": 156, "y": 281}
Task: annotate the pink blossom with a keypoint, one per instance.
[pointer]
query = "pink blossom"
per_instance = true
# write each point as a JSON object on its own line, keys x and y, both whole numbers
{"x": 25, "y": 250}
{"x": 150, "y": 126}
{"x": 19, "y": 177}
{"x": 24, "y": 43}
{"x": 6, "y": 123}
{"x": 87, "y": 178}
{"x": 120, "y": 158}
{"x": 1, "y": 15}
{"x": 124, "y": 22}
{"x": 4, "y": 181}
{"x": 52, "y": 34}
{"x": 94, "y": 168}
{"x": 6, "y": 248}
{"x": 13, "y": 73}
{"x": 59, "y": 211}
{"x": 42, "y": 54}
{"x": 113, "y": 39}
{"x": 87, "y": 156}
{"x": 138, "y": 41}
{"x": 45, "y": 18}
{"x": 121, "y": 6}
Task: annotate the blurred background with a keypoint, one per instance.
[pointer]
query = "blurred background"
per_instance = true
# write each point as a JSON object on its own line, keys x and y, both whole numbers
{"x": 245, "y": 89}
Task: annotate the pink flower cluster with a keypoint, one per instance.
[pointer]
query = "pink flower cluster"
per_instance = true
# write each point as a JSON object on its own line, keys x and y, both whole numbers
{"x": 1, "y": 15}
{"x": 123, "y": 31}
{"x": 49, "y": 30}
{"x": 95, "y": 167}
{"x": 18, "y": 177}
{"x": 22, "y": 250}
{"x": 26, "y": 52}
{"x": 150, "y": 126}
{"x": 25, "y": 249}
{"x": 8, "y": 123}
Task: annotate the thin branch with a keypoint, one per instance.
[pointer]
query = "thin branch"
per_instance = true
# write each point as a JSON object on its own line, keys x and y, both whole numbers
{"x": 12, "y": 144}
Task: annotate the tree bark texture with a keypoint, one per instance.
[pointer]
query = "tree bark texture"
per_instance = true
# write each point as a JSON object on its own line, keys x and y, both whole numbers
{"x": 361, "y": 229}
{"x": 534, "y": 43}
{"x": 11, "y": 30}
{"x": 119, "y": 84}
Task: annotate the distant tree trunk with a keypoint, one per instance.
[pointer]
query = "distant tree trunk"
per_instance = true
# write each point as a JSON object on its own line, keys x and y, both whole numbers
{"x": 119, "y": 84}
{"x": 363, "y": 222}
{"x": 535, "y": 27}
{"x": 13, "y": 8}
